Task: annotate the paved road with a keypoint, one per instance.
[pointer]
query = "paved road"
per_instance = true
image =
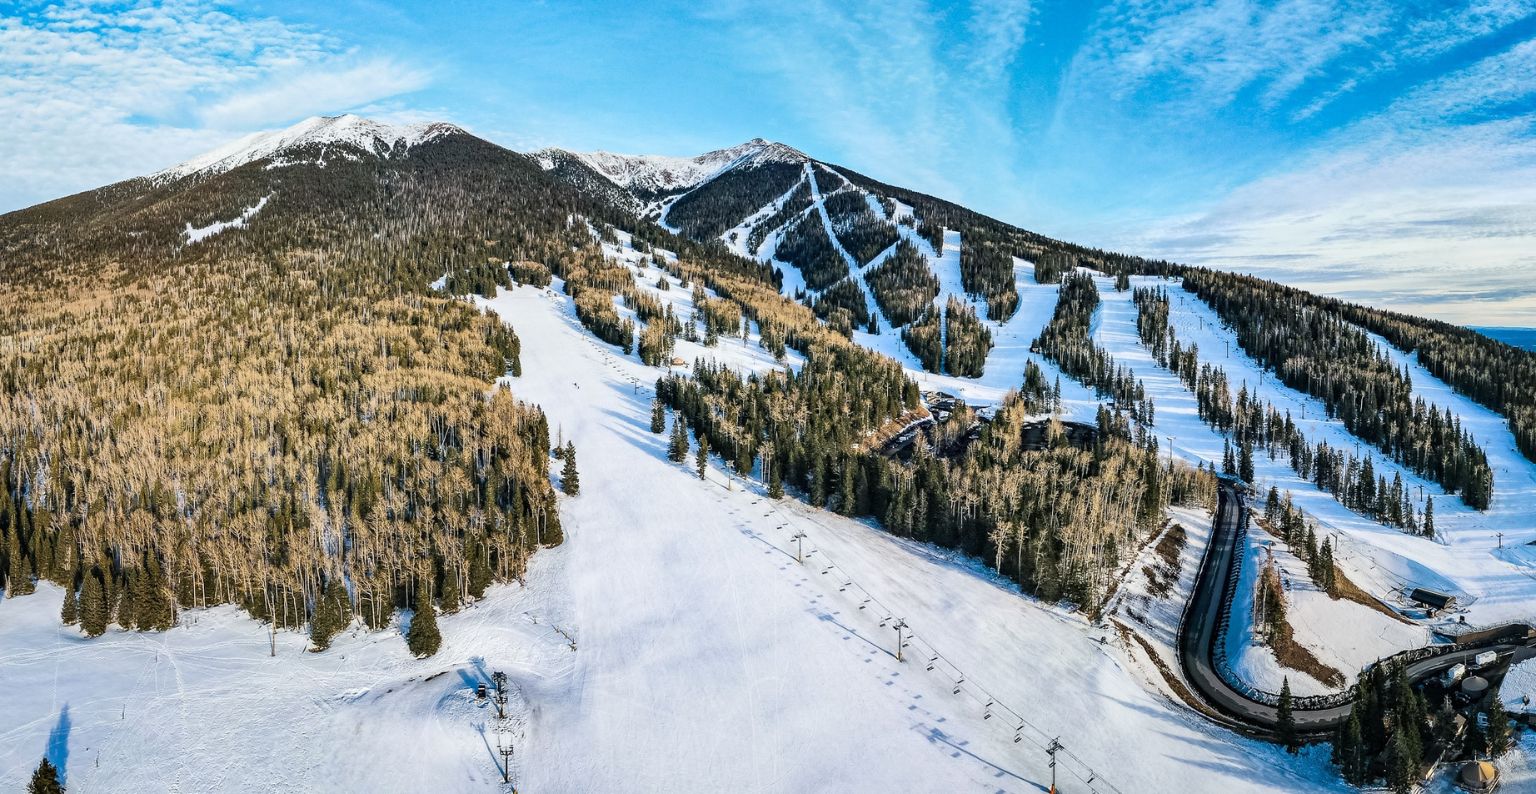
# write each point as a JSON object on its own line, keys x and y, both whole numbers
{"x": 1200, "y": 636}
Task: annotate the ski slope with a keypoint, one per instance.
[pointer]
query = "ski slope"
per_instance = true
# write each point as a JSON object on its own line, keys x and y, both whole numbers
{"x": 1385, "y": 561}
{"x": 706, "y": 657}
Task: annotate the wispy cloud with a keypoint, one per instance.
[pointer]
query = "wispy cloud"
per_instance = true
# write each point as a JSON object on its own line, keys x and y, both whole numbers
{"x": 314, "y": 89}
{"x": 95, "y": 93}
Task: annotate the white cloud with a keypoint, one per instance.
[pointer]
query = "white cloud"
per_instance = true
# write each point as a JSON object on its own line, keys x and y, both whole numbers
{"x": 1439, "y": 222}
{"x": 311, "y": 90}
{"x": 95, "y": 94}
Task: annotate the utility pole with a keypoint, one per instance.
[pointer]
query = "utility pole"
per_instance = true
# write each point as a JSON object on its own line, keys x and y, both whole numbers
{"x": 1051, "y": 751}
{"x": 901, "y": 639}
{"x": 799, "y": 540}
{"x": 1501, "y": 539}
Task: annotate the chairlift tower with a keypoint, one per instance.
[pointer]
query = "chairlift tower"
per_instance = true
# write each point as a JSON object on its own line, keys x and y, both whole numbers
{"x": 901, "y": 636}
{"x": 1051, "y": 751}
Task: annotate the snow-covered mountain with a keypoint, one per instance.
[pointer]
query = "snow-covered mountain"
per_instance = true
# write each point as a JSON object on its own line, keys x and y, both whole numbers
{"x": 658, "y": 174}
{"x": 345, "y": 135}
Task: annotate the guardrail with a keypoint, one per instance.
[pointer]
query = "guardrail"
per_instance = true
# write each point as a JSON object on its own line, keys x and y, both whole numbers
{"x": 1336, "y": 699}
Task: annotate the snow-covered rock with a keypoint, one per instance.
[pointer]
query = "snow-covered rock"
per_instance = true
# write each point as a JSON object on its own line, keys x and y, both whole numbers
{"x": 348, "y": 132}
{"x": 655, "y": 173}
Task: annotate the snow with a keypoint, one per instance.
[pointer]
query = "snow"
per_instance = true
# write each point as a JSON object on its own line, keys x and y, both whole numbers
{"x": 664, "y": 174}
{"x": 707, "y": 658}
{"x": 346, "y": 130}
{"x": 1342, "y": 634}
{"x": 201, "y": 234}
{"x": 205, "y": 707}
{"x": 1464, "y": 559}
{"x": 1380, "y": 559}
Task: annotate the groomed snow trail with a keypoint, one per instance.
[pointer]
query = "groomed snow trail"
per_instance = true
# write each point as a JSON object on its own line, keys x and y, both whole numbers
{"x": 711, "y": 660}
{"x": 707, "y": 658}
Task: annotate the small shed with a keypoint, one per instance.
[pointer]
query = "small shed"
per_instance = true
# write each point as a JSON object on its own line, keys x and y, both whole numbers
{"x": 1435, "y": 600}
{"x": 677, "y": 361}
{"x": 1474, "y": 686}
{"x": 1478, "y": 777}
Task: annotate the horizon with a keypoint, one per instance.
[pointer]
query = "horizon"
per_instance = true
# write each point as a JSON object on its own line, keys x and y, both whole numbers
{"x": 1359, "y": 151}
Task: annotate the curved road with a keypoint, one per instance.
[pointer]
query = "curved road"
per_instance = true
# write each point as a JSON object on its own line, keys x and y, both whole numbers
{"x": 1200, "y": 636}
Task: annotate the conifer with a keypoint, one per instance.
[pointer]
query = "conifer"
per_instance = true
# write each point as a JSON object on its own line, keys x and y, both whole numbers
{"x": 677, "y": 450}
{"x": 95, "y": 613}
{"x": 658, "y": 416}
{"x": 1285, "y": 720}
{"x": 45, "y": 779}
{"x": 423, "y": 638}
{"x": 570, "y": 479}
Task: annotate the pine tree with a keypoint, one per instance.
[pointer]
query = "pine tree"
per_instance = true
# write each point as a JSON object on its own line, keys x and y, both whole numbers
{"x": 677, "y": 450}
{"x": 1245, "y": 461}
{"x": 1499, "y": 734}
{"x": 1351, "y": 751}
{"x": 69, "y": 613}
{"x": 331, "y": 613}
{"x": 1427, "y": 524}
{"x": 775, "y": 482}
{"x": 480, "y": 575}
{"x": 19, "y": 580}
{"x": 95, "y": 613}
{"x": 423, "y": 639}
{"x": 1285, "y": 721}
{"x": 570, "y": 480}
{"x": 1402, "y": 767}
{"x": 45, "y": 780}
{"x": 658, "y": 416}
{"x": 701, "y": 458}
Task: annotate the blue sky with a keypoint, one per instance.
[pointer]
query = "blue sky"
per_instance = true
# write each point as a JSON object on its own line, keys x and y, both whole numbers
{"x": 1384, "y": 151}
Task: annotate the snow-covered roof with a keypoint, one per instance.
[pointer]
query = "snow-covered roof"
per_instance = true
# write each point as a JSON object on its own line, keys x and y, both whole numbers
{"x": 658, "y": 172}
{"x": 365, "y": 134}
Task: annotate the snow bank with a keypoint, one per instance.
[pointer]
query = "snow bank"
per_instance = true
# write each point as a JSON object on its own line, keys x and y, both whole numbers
{"x": 201, "y": 234}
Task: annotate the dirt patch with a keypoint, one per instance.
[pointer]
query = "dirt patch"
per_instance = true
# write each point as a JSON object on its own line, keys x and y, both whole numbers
{"x": 1349, "y": 591}
{"x": 1168, "y": 552}
{"x": 1295, "y": 656}
{"x": 1173, "y": 681}
{"x": 1114, "y": 584}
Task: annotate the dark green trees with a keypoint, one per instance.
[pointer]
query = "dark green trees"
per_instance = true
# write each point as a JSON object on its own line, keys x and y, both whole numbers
{"x": 332, "y": 613}
{"x": 423, "y": 638}
{"x": 95, "y": 613}
{"x": 1285, "y": 720}
{"x": 701, "y": 458}
{"x": 677, "y": 448}
{"x": 658, "y": 416}
{"x": 45, "y": 779}
{"x": 1499, "y": 733}
{"x": 570, "y": 480}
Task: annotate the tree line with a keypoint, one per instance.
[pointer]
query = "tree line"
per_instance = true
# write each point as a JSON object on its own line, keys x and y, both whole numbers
{"x": 1319, "y": 352}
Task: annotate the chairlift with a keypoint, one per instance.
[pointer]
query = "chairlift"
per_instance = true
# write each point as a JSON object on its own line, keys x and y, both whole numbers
{"x": 935, "y": 658}
{"x": 885, "y": 620}
{"x": 864, "y": 603}
{"x": 845, "y": 586}
{"x": 988, "y": 709}
{"x": 958, "y": 683}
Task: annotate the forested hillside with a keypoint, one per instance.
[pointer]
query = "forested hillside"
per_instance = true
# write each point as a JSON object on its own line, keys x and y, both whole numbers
{"x": 252, "y": 417}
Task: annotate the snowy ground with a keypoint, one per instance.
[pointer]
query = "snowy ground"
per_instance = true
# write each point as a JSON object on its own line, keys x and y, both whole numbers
{"x": 1342, "y": 634}
{"x": 708, "y": 658}
{"x": 1500, "y": 586}
{"x": 205, "y": 707}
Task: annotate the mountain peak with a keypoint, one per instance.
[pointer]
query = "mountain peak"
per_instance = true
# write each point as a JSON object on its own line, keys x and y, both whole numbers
{"x": 665, "y": 173}
{"x": 349, "y": 130}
